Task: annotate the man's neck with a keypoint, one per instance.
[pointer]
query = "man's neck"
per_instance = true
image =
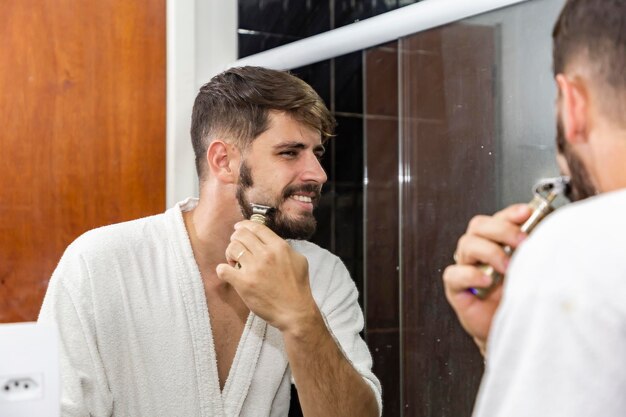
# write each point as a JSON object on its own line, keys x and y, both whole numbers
{"x": 209, "y": 227}
{"x": 610, "y": 161}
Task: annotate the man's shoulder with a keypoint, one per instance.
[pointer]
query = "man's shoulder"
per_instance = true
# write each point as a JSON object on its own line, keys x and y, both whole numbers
{"x": 581, "y": 222}
{"x": 325, "y": 268}
{"x": 576, "y": 248}
{"x": 310, "y": 249}
{"x": 118, "y": 236}
{"x": 318, "y": 257}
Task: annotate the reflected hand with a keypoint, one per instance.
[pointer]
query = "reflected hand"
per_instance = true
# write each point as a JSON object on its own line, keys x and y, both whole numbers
{"x": 273, "y": 280}
{"x": 482, "y": 243}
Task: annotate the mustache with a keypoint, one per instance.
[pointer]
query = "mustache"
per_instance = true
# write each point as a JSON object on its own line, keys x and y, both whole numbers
{"x": 314, "y": 189}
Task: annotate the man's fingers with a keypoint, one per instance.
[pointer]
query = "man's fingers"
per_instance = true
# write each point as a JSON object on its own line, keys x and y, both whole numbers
{"x": 516, "y": 213}
{"x": 248, "y": 239}
{"x": 227, "y": 273}
{"x": 458, "y": 278}
{"x": 263, "y": 233}
{"x": 497, "y": 229}
{"x": 476, "y": 250}
{"x": 236, "y": 252}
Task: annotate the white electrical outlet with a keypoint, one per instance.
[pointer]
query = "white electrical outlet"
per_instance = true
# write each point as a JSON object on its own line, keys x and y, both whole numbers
{"x": 29, "y": 371}
{"x": 21, "y": 388}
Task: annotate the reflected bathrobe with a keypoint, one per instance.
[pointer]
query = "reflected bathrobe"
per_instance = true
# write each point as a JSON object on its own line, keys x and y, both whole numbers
{"x": 136, "y": 337}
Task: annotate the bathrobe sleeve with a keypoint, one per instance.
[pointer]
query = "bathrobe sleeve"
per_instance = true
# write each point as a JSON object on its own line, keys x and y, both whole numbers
{"x": 345, "y": 321}
{"x": 68, "y": 304}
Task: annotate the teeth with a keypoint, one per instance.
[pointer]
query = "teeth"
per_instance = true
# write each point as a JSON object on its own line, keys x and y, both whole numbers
{"x": 302, "y": 198}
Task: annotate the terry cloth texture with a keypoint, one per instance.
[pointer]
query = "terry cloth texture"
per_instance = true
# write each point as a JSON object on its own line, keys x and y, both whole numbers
{"x": 136, "y": 336}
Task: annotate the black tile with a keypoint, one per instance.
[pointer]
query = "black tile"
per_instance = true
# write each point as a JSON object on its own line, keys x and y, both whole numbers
{"x": 351, "y": 11}
{"x": 307, "y": 17}
{"x": 262, "y": 15}
{"x": 299, "y": 18}
{"x": 402, "y": 3}
{"x": 317, "y": 76}
{"x": 384, "y": 6}
{"x": 349, "y": 83}
{"x": 349, "y": 229}
{"x": 349, "y": 151}
{"x": 250, "y": 44}
{"x": 247, "y": 10}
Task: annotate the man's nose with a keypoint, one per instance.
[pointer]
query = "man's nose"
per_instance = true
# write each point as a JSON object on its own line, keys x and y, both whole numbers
{"x": 313, "y": 170}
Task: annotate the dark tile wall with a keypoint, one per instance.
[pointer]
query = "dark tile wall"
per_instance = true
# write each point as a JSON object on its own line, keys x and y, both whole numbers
{"x": 264, "y": 24}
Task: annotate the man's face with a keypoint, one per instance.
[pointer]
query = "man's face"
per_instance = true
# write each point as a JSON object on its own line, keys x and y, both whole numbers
{"x": 281, "y": 169}
{"x": 580, "y": 181}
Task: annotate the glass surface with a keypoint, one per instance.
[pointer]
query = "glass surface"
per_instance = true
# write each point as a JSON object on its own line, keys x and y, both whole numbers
{"x": 433, "y": 129}
{"x": 472, "y": 105}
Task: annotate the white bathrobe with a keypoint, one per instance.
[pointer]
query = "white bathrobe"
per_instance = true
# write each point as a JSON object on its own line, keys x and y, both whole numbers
{"x": 136, "y": 337}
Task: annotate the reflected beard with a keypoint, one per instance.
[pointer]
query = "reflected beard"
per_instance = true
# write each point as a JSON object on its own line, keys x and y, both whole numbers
{"x": 580, "y": 181}
{"x": 284, "y": 226}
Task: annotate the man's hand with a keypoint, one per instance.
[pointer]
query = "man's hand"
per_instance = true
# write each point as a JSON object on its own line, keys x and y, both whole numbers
{"x": 482, "y": 243}
{"x": 273, "y": 279}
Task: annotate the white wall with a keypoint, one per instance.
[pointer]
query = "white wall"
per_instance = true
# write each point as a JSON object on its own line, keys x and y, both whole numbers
{"x": 201, "y": 42}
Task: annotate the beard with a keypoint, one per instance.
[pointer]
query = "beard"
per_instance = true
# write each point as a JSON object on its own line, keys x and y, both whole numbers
{"x": 580, "y": 181}
{"x": 284, "y": 226}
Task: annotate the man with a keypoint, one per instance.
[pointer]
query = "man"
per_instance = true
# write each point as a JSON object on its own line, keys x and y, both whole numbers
{"x": 198, "y": 312}
{"x": 557, "y": 343}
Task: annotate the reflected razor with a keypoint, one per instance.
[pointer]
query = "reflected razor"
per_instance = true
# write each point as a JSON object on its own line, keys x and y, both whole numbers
{"x": 545, "y": 192}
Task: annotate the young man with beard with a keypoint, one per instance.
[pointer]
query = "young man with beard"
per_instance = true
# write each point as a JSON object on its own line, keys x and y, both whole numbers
{"x": 557, "y": 343}
{"x": 198, "y": 312}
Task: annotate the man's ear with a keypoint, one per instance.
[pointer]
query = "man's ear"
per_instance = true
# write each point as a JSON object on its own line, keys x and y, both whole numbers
{"x": 222, "y": 157}
{"x": 573, "y": 108}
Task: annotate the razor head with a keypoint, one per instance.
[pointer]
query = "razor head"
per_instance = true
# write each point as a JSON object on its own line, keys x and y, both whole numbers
{"x": 260, "y": 213}
{"x": 549, "y": 188}
{"x": 260, "y": 209}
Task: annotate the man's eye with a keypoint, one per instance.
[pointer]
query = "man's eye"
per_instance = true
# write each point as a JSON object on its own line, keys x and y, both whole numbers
{"x": 289, "y": 154}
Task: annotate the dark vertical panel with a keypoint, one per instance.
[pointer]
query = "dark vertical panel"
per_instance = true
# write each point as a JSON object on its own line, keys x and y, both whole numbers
{"x": 348, "y": 79}
{"x": 381, "y": 222}
{"x": 448, "y": 122}
{"x": 82, "y": 112}
{"x": 348, "y": 187}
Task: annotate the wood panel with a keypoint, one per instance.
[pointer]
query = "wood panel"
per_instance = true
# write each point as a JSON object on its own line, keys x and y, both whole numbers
{"x": 82, "y": 131}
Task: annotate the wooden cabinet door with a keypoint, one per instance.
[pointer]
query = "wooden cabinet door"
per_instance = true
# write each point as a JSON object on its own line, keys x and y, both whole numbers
{"x": 82, "y": 131}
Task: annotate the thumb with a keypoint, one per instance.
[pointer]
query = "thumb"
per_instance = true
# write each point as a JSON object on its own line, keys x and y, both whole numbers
{"x": 226, "y": 273}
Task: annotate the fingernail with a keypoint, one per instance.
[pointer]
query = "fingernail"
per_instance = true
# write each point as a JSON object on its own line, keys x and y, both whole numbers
{"x": 506, "y": 263}
{"x": 521, "y": 237}
{"x": 487, "y": 281}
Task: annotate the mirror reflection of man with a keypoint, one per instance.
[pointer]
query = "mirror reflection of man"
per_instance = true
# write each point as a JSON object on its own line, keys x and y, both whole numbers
{"x": 198, "y": 312}
{"x": 557, "y": 342}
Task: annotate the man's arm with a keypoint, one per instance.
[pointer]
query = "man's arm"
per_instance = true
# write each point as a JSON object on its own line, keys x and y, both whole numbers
{"x": 66, "y": 304}
{"x": 328, "y": 385}
{"x": 273, "y": 282}
{"x": 482, "y": 243}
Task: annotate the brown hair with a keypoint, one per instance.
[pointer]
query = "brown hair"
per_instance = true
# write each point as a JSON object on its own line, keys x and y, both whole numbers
{"x": 596, "y": 31}
{"x": 236, "y": 104}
